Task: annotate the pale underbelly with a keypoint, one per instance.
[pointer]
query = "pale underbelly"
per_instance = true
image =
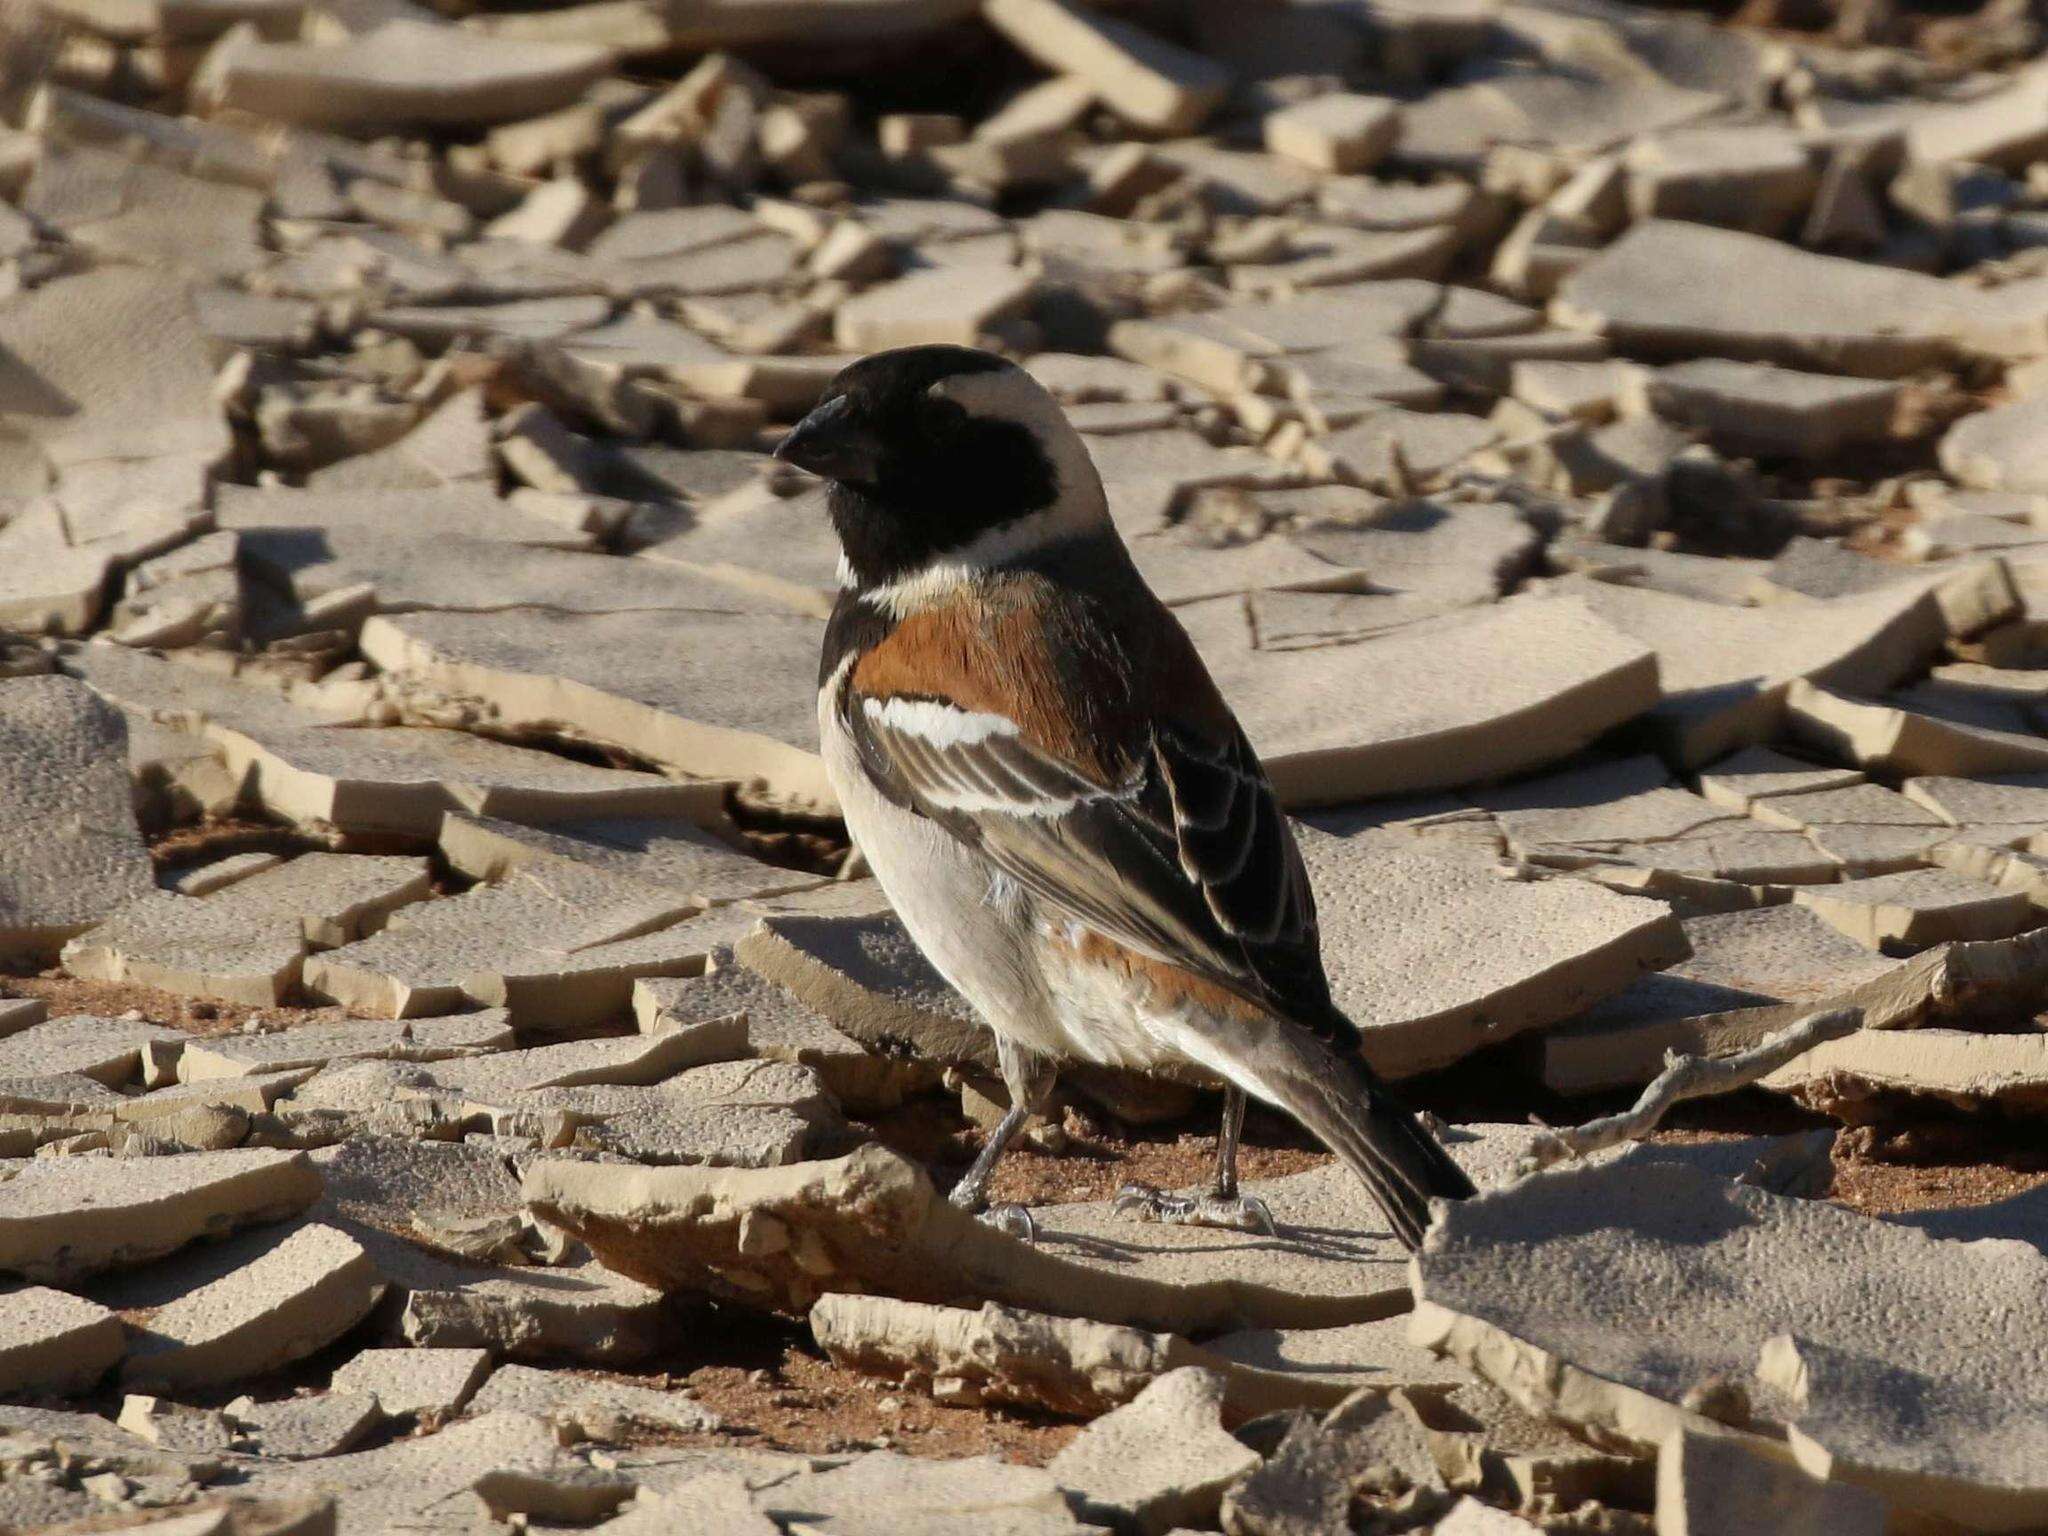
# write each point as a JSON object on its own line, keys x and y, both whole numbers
{"x": 987, "y": 938}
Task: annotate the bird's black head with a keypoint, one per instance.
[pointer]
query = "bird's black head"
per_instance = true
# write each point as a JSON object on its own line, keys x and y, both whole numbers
{"x": 931, "y": 448}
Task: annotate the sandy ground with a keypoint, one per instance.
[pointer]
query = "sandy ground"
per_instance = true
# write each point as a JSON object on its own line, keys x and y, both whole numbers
{"x": 774, "y": 1389}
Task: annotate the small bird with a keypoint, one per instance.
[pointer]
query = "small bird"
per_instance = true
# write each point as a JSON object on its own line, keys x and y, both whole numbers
{"x": 1063, "y": 810}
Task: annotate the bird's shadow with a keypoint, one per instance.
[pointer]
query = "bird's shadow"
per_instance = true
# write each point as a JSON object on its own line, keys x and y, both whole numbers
{"x": 1334, "y": 1244}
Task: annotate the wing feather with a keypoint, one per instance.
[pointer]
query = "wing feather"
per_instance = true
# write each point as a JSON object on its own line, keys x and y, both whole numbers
{"x": 1185, "y": 858}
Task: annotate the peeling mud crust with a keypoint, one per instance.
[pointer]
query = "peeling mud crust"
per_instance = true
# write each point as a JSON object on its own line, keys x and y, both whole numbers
{"x": 457, "y": 1076}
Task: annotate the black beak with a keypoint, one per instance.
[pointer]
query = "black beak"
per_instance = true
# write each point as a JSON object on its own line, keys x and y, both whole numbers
{"x": 831, "y": 443}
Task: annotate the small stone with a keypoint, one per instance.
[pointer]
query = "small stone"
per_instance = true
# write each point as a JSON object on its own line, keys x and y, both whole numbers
{"x": 66, "y": 1219}
{"x": 561, "y": 213}
{"x": 1756, "y": 179}
{"x": 420, "y": 1383}
{"x": 249, "y": 942}
{"x": 1741, "y": 962}
{"x": 1728, "y": 673}
{"x": 1469, "y": 1517}
{"x": 205, "y": 879}
{"x": 867, "y": 978}
{"x": 1847, "y": 217}
{"x": 659, "y": 851}
{"x": 175, "y": 1428}
{"x": 1916, "y": 908}
{"x": 903, "y": 134}
{"x": 1962, "y": 802}
{"x": 1877, "y": 1068}
{"x": 1629, "y": 800}
{"x": 591, "y": 1410}
{"x": 1847, "y": 805}
{"x": 1715, "y": 1485}
{"x": 738, "y": 1114}
{"x": 1848, "y": 1325}
{"x": 309, "y": 1428}
{"x": 1395, "y": 450}
{"x": 530, "y": 920}
{"x": 2001, "y": 127}
{"x": 1738, "y": 782}
{"x": 1337, "y": 1360}
{"x": 954, "y": 305}
{"x": 1748, "y": 408}
{"x": 497, "y": 1466}
{"x": 886, "y": 1490}
{"x": 692, "y": 701}
{"x": 1367, "y": 1443}
{"x": 50, "y": 586}
{"x": 1592, "y": 392}
{"x": 780, "y": 1027}
{"x": 1374, "y": 745}
{"x": 1160, "y": 1461}
{"x": 401, "y": 72}
{"x": 63, "y": 762}
{"x": 18, "y": 1013}
{"x": 1338, "y": 132}
{"x": 1674, "y": 286}
{"x": 291, "y": 1298}
{"x": 2000, "y": 449}
{"x": 51, "y": 1342}
{"x": 1073, "y": 1366}
{"x": 110, "y": 1052}
{"x": 353, "y": 1040}
{"x": 1149, "y": 82}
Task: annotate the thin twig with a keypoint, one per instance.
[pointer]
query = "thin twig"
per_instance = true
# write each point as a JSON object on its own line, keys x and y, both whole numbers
{"x": 1691, "y": 1077}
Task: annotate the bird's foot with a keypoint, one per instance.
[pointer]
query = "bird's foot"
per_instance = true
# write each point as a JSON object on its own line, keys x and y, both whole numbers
{"x": 1233, "y": 1213}
{"x": 1008, "y": 1218}
{"x": 1012, "y": 1220}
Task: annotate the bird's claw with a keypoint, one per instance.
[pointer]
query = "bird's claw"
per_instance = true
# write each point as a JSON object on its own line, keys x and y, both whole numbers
{"x": 1232, "y": 1213}
{"x": 1012, "y": 1220}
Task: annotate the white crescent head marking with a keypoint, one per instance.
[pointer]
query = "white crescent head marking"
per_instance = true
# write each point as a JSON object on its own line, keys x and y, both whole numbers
{"x": 1007, "y": 394}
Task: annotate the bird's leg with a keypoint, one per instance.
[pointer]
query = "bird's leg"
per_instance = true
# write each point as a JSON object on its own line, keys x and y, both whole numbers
{"x": 1030, "y": 1084}
{"x": 1224, "y": 1205}
{"x": 1247, "y": 1212}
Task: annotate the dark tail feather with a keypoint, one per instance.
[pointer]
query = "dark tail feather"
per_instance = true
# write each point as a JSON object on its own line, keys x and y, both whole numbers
{"x": 1337, "y": 1097}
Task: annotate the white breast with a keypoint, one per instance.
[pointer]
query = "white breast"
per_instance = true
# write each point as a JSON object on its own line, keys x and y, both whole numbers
{"x": 963, "y": 916}
{"x": 982, "y": 933}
